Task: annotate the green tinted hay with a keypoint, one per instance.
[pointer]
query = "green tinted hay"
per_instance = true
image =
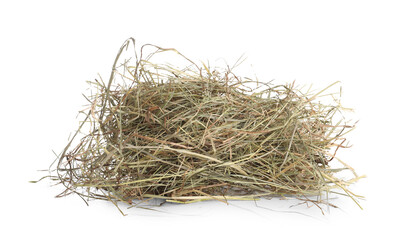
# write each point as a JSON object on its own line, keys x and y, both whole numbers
{"x": 194, "y": 133}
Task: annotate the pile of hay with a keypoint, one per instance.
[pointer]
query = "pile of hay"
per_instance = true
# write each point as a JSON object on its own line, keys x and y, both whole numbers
{"x": 195, "y": 134}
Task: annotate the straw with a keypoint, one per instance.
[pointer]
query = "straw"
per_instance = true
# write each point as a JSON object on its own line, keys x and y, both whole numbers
{"x": 198, "y": 133}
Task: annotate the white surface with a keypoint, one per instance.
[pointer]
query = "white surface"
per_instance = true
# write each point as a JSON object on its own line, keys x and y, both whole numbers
{"x": 49, "y": 49}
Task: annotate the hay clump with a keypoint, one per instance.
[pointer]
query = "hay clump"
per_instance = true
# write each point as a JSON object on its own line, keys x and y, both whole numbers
{"x": 194, "y": 134}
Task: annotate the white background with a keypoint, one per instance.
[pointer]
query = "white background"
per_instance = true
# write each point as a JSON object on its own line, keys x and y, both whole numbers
{"x": 48, "y": 49}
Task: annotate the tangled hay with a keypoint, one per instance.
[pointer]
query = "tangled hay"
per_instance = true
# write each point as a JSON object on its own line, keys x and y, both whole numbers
{"x": 194, "y": 134}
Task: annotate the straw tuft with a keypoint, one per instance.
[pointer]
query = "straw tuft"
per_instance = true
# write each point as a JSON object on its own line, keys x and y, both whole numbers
{"x": 194, "y": 134}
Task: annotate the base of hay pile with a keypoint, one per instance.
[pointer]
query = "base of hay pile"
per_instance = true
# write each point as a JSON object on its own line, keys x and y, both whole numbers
{"x": 194, "y": 134}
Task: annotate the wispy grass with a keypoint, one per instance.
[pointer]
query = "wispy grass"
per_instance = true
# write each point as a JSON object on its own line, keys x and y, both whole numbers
{"x": 195, "y": 133}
